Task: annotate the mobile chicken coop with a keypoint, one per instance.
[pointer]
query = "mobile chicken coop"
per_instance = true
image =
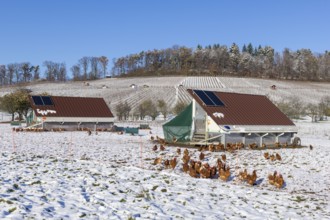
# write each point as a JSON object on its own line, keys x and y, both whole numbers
{"x": 69, "y": 113}
{"x": 230, "y": 118}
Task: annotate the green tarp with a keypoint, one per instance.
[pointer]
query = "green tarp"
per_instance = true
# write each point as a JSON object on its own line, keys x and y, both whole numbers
{"x": 179, "y": 128}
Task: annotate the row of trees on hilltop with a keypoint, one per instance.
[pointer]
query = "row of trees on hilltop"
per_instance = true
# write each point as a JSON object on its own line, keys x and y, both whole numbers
{"x": 219, "y": 60}
{"x": 216, "y": 60}
{"x": 87, "y": 68}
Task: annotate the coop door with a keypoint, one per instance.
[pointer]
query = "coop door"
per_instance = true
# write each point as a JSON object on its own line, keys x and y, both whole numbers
{"x": 200, "y": 120}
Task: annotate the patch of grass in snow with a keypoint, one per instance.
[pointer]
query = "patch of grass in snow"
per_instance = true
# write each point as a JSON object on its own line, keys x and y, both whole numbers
{"x": 15, "y": 186}
{"x": 122, "y": 200}
{"x": 12, "y": 210}
{"x": 299, "y": 199}
{"x": 6, "y": 201}
{"x": 96, "y": 184}
{"x": 154, "y": 188}
{"x": 163, "y": 190}
{"x": 167, "y": 181}
{"x": 82, "y": 215}
{"x": 36, "y": 182}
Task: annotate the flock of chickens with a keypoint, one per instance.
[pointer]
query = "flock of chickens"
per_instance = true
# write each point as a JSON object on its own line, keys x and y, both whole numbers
{"x": 222, "y": 171}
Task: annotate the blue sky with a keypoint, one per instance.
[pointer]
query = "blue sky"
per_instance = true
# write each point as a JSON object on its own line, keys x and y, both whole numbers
{"x": 66, "y": 30}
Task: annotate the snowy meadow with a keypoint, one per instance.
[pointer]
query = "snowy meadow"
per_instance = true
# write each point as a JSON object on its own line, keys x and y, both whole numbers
{"x": 71, "y": 175}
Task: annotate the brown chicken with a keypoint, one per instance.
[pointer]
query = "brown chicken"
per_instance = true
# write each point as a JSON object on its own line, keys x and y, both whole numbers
{"x": 224, "y": 173}
{"x": 266, "y": 155}
{"x": 251, "y": 179}
{"x": 186, "y": 152}
{"x": 205, "y": 171}
{"x": 167, "y": 164}
{"x": 213, "y": 171}
{"x": 154, "y": 148}
{"x": 278, "y": 157}
{"x": 271, "y": 178}
{"x": 152, "y": 138}
{"x": 162, "y": 148}
{"x": 174, "y": 139}
{"x": 243, "y": 175}
{"x": 173, "y": 163}
{"x": 198, "y": 166}
{"x": 178, "y": 151}
{"x": 211, "y": 148}
{"x": 277, "y": 144}
{"x": 223, "y": 157}
{"x": 264, "y": 146}
{"x": 192, "y": 172}
{"x": 219, "y": 147}
{"x": 185, "y": 167}
{"x": 272, "y": 157}
{"x": 279, "y": 181}
{"x": 201, "y": 156}
{"x": 158, "y": 160}
{"x": 185, "y": 158}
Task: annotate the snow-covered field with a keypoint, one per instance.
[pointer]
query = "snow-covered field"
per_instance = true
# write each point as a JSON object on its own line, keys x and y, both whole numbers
{"x": 70, "y": 175}
{"x": 115, "y": 90}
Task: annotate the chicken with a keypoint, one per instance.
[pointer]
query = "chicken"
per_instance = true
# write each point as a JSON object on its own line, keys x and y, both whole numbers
{"x": 192, "y": 172}
{"x": 178, "y": 151}
{"x": 173, "y": 163}
{"x": 185, "y": 158}
{"x": 251, "y": 179}
{"x": 152, "y": 138}
{"x": 198, "y": 166}
{"x": 243, "y": 175}
{"x": 279, "y": 181}
{"x": 285, "y": 144}
{"x": 185, "y": 167}
{"x": 219, "y": 147}
{"x": 271, "y": 178}
{"x": 192, "y": 163}
{"x": 162, "y": 148}
{"x": 277, "y": 144}
{"x": 201, "y": 156}
{"x": 213, "y": 171}
{"x": 223, "y": 157}
{"x": 211, "y": 148}
{"x": 264, "y": 146}
{"x": 205, "y": 171}
{"x": 272, "y": 157}
{"x": 266, "y": 155}
{"x": 158, "y": 160}
{"x": 224, "y": 173}
{"x": 253, "y": 146}
{"x": 167, "y": 164}
{"x": 174, "y": 139}
{"x": 219, "y": 163}
{"x": 278, "y": 157}
{"x": 154, "y": 148}
{"x": 310, "y": 147}
{"x": 89, "y": 132}
{"x": 186, "y": 152}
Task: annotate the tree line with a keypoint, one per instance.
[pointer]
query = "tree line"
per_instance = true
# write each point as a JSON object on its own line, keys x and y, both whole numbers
{"x": 211, "y": 60}
{"x": 219, "y": 60}
{"x": 87, "y": 68}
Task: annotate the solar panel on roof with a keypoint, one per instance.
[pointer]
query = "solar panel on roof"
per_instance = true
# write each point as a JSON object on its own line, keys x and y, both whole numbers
{"x": 209, "y": 98}
{"x": 214, "y": 98}
{"x": 37, "y": 100}
{"x": 204, "y": 97}
{"x": 47, "y": 100}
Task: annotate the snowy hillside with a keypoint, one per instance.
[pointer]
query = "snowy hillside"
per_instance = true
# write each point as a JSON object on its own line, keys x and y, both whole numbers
{"x": 173, "y": 89}
{"x": 70, "y": 175}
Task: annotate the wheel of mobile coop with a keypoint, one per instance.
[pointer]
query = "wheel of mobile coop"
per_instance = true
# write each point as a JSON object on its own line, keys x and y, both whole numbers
{"x": 296, "y": 142}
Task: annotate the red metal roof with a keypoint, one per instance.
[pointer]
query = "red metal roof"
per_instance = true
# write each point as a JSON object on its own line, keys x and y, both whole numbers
{"x": 244, "y": 109}
{"x": 73, "y": 107}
